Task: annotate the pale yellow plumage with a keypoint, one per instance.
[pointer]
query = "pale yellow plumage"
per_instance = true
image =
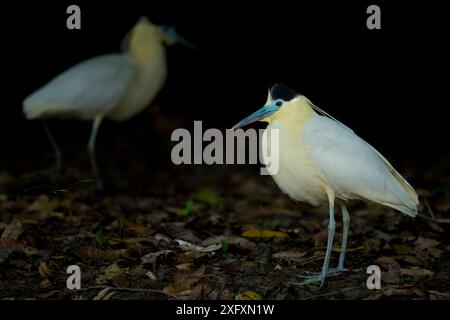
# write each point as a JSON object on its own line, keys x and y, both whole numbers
{"x": 295, "y": 165}
{"x": 147, "y": 52}
{"x": 321, "y": 160}
{"x": 115, "y": 86}
{"x": 299, "y": 176}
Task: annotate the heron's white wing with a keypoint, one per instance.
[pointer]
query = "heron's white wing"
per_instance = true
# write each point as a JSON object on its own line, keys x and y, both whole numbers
{"x": 87, "y": 89}
{"x": 353, "y": 168}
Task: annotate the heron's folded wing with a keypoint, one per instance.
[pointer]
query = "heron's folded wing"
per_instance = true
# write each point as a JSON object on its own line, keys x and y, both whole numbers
{"x": 89, "y": 88}
{"x": 353, "y": 168}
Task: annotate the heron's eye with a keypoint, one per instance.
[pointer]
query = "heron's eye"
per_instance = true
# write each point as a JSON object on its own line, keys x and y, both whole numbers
{"x": 278, "y": 103}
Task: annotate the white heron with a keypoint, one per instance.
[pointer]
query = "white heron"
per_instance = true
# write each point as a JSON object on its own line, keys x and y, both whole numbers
{"x": 323, "y": 161}
{"x": 114, "y": 86}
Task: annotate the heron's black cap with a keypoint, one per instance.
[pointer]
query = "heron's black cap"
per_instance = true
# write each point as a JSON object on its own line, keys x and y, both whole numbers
{"x": 280, "y": 91}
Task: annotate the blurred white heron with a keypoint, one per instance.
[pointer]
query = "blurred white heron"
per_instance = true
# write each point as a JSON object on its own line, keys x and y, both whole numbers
{"x": 114, "y": 86}
{"x": 323, "y": 161}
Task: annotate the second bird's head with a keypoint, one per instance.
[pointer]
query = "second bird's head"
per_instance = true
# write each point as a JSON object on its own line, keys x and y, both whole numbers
{"x": 281, "y": 101}
{"x": 146, "y": 33}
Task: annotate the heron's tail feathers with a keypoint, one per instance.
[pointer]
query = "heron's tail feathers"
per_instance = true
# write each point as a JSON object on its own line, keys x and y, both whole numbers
{"x": 409, "y": 211}
{"x": 408, "y": 201}
{"x": 32, "y": 112}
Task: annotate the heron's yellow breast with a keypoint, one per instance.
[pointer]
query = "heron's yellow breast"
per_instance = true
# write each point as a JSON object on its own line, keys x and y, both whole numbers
{"x": 296, "y": 175}
{"x": 148, "y": 55}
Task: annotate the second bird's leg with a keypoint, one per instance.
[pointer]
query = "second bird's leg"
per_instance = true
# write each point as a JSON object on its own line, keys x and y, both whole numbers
{"x": 91, "y": 150}
{"x": 55, "y": 147}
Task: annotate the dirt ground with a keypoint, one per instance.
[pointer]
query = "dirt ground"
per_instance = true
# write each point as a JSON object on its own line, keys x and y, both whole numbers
{"x": 208, "y": 233}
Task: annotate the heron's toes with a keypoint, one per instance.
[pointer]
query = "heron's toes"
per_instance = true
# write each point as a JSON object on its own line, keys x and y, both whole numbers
{"x": 319, "y": 277}
{"x": 310, "y": 275}
{"x": 312, "y": 278}
{"x": 337, "y": 271}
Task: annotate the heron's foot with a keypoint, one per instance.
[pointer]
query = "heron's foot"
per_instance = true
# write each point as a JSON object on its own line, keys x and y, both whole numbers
{"x": 310, "y": 278}
{"x": 95, "y": 171}
{"x": 337, "y": 271}
{"x": 313, "y": 278}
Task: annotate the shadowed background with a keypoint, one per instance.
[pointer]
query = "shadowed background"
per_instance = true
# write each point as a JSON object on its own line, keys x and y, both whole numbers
{"x": 387, "y": 85}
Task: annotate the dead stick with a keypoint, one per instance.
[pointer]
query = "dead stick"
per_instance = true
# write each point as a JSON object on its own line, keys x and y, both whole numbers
{"x": 434, "y": 219}
{"x": 129, "y": 289}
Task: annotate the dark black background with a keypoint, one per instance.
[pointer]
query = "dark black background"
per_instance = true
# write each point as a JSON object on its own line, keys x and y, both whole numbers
{"x": 389, "y": 85}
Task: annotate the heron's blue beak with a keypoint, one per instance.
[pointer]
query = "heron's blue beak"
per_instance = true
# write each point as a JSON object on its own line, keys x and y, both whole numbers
{"x": 262, "y": 113}
{"x": 173, "y": 37}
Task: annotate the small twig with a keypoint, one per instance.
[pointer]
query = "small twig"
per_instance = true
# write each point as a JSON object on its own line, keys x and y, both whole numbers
{"x": 128, "y": 289}
{"x": 429, "y": 208}
{"x": 81, "y": 181}
{"x": 434, "y": 219}
{"x": 311, "y": 259}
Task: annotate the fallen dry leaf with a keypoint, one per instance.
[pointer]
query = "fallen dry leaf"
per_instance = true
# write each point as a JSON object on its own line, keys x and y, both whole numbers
{"x": 93, "y": 253}
{"x": 403, "y": 291}
{"x": 184, "y": 266}
{"x": 13, "y": 230}
{"x": 45, "y": 283}
{"x": 411, "y": 259}
{"x": 435, "y": 295}
{"x": 407, "y": 235}
{"x": 104, "y": 294}
{"x": 151, "y": 275}
{"x": 137, "y": 229}
{"x": 402, "y": 249}
{"x": 44, "y": 270}
{"x": 153, "y": 257}
{"x": 424, "y": 243}
{"x": 427, "y": 248}
{"x": 44, "y": 203}
{"x": 109, "y": 273}
{"x": 248, "y": 295}
{"x": 230, "y": 240}
{"x": 416, "y": 272}
{"x": 383, "y": 260}
{"x": 320, "y": 238}
{"x": 435, "y": 226}
{"x": 183, "y": 282}
{"x": 291, "y": 255}
{"x": 264, "y": 233}
{"x": 393, "y": 273}
{"x": 187, "y": 246}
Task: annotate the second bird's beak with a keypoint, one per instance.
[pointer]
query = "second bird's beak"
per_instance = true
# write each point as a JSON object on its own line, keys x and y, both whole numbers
{"x": 173, "y": 37}
{"x": 264, "y": 112}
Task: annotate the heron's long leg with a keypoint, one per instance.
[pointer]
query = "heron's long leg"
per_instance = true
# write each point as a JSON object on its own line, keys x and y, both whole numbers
{"x": 346, "y": 224}
{"x": 91, "y": 149}
{"x": 331, "y": 228}
{"x": 55, "y": 147}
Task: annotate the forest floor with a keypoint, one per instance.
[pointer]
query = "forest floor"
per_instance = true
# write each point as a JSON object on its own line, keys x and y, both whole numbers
{"x": 209, "y": 233}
